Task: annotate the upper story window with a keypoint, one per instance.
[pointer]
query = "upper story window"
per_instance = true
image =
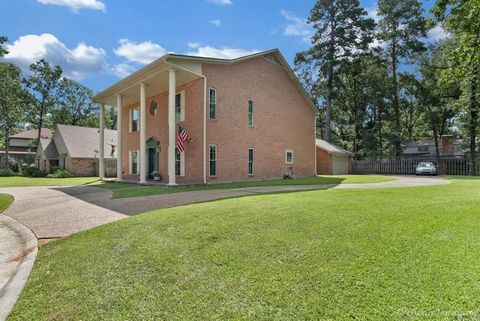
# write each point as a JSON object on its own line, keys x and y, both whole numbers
{"x": 250, "y": 113}
{"x": 213, "y": 160}
{"x": 289, "y": 157}
{"x": 212, "y": 112}
{"x": 134, "y": 119}
{"x": 180, "y": 107}
{"x": 250, "y": 161}
{"x": 153, "y": 108}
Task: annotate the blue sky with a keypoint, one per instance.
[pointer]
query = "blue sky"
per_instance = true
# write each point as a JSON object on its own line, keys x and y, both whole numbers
{"x": 99, "y": 41}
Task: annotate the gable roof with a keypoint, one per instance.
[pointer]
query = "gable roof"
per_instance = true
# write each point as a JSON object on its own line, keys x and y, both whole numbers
{"x": 49, "y": 148}
{"x": 33, "y": 133}
{"x": 144, "y": 72}
{"x": 332, "y": 149}
{"x": 82, "y": 142}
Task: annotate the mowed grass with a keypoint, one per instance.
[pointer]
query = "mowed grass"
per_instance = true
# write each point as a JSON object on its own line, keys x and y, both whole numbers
{"x": 5, "y": 201}
{"x": 383, "y": 254}
{"x": 20, "y": 181}
{"x": 124, "y": 190}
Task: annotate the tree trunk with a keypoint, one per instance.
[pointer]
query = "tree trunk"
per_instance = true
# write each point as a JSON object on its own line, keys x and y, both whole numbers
{"x": 7, "y": 143}
{"x": 395, "y": 101}
{"x": 473, "y": 124}
{"x": 40, "y": 124}
{"x": 329, "y": 102}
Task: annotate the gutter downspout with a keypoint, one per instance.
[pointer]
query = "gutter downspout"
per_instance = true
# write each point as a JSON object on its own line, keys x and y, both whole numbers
{"x": 204, "y": 114}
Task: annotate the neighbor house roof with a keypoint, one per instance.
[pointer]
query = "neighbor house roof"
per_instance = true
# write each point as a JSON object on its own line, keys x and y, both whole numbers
{"x": 33, "y": 133}
{"x": 332, "y": 149}
{"x": 152, "y": 67}
{"x": 49, "y": 148}
{"x": 82, "y": 142}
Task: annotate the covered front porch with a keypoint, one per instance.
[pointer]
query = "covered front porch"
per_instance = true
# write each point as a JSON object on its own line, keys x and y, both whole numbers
{"x": 162, "y": 76}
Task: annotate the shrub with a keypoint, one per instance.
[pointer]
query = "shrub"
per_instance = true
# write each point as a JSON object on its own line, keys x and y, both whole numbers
{"x": 31, "y": 171}
{"x": 6, "y": 172}
{"x": 60, "y": 173}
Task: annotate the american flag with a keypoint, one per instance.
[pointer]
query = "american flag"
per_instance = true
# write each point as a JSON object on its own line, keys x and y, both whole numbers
{"x": 181, "y": 139}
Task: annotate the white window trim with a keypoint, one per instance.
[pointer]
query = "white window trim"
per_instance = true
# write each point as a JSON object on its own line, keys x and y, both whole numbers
{"x": 216, "y": 102}
{"x": 253, "y": 161}
{"x": 182, "y": 104}
{"x": 286, "y": 158}
{"x": 253, "y": 112}
{"x": 216, "y": 160}
{"x": 182, "y": 164}
{"x": 130, "y": 163}
{"x": 131, "y": 119}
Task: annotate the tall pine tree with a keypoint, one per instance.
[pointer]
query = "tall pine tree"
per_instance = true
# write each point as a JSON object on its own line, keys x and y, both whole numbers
{"x": 401, "y": 28}
{"x": 341, "y": 29}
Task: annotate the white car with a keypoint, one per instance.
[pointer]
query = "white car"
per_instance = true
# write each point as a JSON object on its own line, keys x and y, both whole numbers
{"x": 426, "y": 168}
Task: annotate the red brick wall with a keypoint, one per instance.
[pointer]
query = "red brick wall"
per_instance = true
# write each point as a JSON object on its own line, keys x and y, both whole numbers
{"x": 324, "y": 162}
{"x": 282, "y": 120}
{"x": 81, "y": 166}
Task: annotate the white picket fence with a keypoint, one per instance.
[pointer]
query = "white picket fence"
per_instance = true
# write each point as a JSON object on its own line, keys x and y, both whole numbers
{"x": 407, "y": 167}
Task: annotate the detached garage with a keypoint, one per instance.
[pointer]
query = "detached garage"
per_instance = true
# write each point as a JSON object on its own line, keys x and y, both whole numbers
{"x": 331, "y": 159}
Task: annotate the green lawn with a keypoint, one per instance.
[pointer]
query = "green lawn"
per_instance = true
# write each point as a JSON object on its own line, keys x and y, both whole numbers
{"x": 16, "y": 181}
{"x": 386, "y": 254}
{"x": 5, "y": 201}
{"x": 123, "y": 190}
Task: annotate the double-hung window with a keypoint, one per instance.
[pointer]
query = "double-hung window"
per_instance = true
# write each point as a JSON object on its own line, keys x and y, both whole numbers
{"x": 289, "y": 157}
{"x": 134, "y": 162}
{"x": 212, "y": 112}
{"x": 250, "y": 113}
{"x": 134, "y": 119}
{"x": 213, "y": 160}
{"x": 180, "y": 163}
{"x": 180, "y": 107}
{"x": 251, "y": 167}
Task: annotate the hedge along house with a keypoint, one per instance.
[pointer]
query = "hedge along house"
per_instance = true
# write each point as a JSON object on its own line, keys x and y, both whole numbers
{"x": 246, "y": 118}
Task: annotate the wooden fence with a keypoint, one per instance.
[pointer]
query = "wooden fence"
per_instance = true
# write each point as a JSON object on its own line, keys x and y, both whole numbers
{"x": 407, "y": 167}
{"x": 110, "y": 167}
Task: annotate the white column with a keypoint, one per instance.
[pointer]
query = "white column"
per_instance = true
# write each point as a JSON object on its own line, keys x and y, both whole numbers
{"x": 143, "y": 132}
{"x": 101, "y": 143}
{"x": 171, "y": 126}
{"x": 119, "y": 138}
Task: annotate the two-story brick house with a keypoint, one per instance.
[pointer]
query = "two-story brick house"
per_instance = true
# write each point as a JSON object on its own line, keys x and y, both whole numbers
{"x": 246, "y": 118}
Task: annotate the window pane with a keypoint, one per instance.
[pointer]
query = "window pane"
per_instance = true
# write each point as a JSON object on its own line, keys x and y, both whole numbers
{"x": 134, "y": 120}
{"x": 213, "y": 160}
{"x": 177, "y": 164}
{"x": 178, "y": 107}
{"x": 250, "y": 113}
{"x": 213, "y": 104}
{"x": 250, "y": 161}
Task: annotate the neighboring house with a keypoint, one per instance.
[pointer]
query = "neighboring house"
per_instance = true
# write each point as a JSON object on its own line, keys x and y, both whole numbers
{"x": 246, "y": 118}
{"x": 332, "y": 160}
{"x": 22, "y": 147}
{"x": 449, "y": 147}
{"x": 75, "y": 149}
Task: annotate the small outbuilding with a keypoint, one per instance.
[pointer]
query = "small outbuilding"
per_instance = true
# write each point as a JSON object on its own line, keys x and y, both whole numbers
{"x": 331, "y": 159}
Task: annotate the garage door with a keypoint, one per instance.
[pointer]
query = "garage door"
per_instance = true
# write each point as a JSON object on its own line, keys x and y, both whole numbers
{"x": 339, "y": 165}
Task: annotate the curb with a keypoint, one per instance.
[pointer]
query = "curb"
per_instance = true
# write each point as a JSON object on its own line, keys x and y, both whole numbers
{"x": 12, "y": 289}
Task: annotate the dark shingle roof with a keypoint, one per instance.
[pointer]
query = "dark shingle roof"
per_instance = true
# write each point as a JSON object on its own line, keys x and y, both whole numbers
{"x": 49, "y": 148}
{"x": 332, "y": 149}
{"x": 82, "y": 142}
{"x": 32, "y": 133}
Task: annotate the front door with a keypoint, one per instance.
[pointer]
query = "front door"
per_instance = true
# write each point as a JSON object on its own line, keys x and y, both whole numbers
{"x": 151, "y": 162}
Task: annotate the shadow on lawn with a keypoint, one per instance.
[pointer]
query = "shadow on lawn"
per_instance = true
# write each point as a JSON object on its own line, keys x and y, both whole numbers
{"x": 101, "y": 196}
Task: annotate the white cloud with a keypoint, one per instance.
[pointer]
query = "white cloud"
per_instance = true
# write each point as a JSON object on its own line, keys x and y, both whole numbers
{"x": 76, "y": 5}
{"x": 437, "y": 34}
{"x": 221, "y": 2}
{"x": 76, "y": 63}
{"x": 296, "y": 27}
{"x": 123, "y": 69}
{"x": 224, "y": 52}
{"x": 372, "y": 13}
{"x": 193, "y": 45}
{"x": 216, "y": 22}
{"x": 143, "y": 53}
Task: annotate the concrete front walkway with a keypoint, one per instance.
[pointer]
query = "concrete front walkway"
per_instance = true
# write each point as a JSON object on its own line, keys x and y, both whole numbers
{"x": 53, "y": 212}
